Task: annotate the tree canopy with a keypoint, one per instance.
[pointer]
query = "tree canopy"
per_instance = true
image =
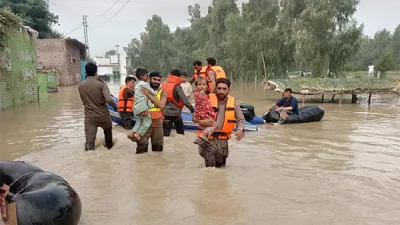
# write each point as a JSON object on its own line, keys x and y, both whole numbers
{"x": 36, "y": 14}
{"x": 260, "y": 38}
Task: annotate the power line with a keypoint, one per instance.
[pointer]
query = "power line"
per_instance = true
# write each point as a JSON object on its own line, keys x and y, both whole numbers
{"x": 126, "y": 3}
{"x": 76, "y": 28}
{"x": 112, "y": 6}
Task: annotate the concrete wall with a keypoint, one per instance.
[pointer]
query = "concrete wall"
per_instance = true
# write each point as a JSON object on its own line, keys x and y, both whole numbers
{"x": 62, "y": 56}
{"x": 18, "y": 81}
{"x": 51, "y": 54}
{"x": 73, "y": 63}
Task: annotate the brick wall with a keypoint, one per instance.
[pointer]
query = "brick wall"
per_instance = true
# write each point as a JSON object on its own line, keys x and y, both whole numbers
{"x": 18, "y": 83}
{"x": 51, "y": 54}
{"x": 74, "y": 63}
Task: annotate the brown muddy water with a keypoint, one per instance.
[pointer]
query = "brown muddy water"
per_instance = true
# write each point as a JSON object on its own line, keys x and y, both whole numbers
{"x": 342, "y": 170}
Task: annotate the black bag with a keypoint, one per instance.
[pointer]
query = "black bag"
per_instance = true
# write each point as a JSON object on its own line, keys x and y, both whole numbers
{"x": 248, "y": 112}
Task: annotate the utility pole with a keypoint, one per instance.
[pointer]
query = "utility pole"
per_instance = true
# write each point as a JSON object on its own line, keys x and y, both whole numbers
{"x": 85, "y": 26}
{"x": 119, "y": 65}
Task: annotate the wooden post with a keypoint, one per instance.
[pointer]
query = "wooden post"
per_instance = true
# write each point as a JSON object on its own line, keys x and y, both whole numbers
{"x": 353, "y": 98}
{"x": 303, "y": 97}
{"x": 341, "y": 97}
{"x": 333, "y": 97}
{"x": 322, "y": 100}
{"x": 369, "y": 98}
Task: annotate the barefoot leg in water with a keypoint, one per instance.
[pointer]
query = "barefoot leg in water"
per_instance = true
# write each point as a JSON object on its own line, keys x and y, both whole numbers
{"x": 137, "y": 136}
{"x": 132, "y": 137}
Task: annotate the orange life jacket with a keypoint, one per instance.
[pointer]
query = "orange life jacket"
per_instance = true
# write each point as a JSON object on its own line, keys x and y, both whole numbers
{"x": 125, "y": 106}
{"x": 169, "y": 87}
{"x": 229, "y": 119}
{"x": 219, "y": 72}
{"x": 155, "y": 111}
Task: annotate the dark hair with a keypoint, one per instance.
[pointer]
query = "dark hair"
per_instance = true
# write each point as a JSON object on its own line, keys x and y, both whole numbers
{"x": 130, "y": 78}
{"x": 155, "y": 74}
{"x": 288, "y": 89}
{"x": 176, "y": 72}
{"x": 141, "y": 72}
{"x": 211, "y": 61}
{"x": 91, "y": 69}
{"x": 223, "y": 81}
{"x": 199, "y": 78}
{"x": 197, "y": 63}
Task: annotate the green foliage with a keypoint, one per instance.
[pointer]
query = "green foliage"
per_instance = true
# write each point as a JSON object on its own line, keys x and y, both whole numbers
{"x": 35, "y": 14}
{"x": 7, "y": 21}
{"x": 335, "y": 85}
{"x": 265, "y": 38}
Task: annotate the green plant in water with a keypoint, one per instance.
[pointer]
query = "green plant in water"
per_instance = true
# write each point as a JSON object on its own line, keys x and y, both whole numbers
{"x": 8, "y": 20}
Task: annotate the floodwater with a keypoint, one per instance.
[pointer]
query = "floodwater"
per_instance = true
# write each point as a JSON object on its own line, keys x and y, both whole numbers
{"x": 342, "y": 170}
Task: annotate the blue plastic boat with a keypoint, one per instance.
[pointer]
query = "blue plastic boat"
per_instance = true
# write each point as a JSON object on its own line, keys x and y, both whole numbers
{"x": 187, "y": 120}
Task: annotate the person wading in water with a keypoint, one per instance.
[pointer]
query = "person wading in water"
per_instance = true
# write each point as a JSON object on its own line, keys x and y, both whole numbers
{"x": 95, "y": 95}
{"x": 155, "y": 132}
{"x": 126, "y": 101}
{"x": 229, "y": 114}
{"x": 176, "y": 99}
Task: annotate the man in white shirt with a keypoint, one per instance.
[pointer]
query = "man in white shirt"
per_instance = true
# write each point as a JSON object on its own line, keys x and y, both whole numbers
{"x": 187, "y": 89}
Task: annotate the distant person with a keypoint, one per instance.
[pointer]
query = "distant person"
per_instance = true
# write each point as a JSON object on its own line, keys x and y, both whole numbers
{"x": 142, "y": 104}
{"x": 155, "y": 132}
{"x": 176, "y": 99}
{"x": 126, "y": 101}
{"x": 286, "y": 106}
{"x": 204, "y": 109}
{"x": 371, "y": 70}
{"x": 197, "y": 65}
{"x": 212, "y": 72}
{"x": 95, "y": 95}
{"x": 229, "y": 115}
{"x": 187, "y": 89}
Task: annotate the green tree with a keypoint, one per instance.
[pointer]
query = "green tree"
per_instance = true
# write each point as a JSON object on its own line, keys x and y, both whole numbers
{"x": 35, "y": 14}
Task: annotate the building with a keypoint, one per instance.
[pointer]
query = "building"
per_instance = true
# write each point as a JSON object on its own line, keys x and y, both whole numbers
{"x": 112, "y": 61}
{"x": 18, "y": 80}
{"x": 66, "y": 56}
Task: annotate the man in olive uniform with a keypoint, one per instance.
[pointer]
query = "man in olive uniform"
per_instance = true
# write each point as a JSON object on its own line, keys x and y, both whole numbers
{"x": 95, "y": 95}
{"x": 216, "y": 151}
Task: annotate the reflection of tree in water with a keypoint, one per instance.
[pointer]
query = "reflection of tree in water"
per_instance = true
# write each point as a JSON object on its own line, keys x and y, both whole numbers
{"x": 215, "y": 200}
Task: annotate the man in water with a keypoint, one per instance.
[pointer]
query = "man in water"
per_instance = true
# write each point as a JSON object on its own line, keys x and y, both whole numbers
{"x": 187, "y": 89}
{"x": 286, "y": 106}
{"x": 212, "y": 72}
{"x": 229, "y": 114}
{"x": 95, "y": 95}
{"x": 196, "y": 71}
{"x": 126, "y": 101}
{"x": 155, "y": 131}
{"x": 176, "y": 99}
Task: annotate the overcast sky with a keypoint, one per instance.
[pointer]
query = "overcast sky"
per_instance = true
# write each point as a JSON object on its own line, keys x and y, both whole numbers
{"x": 131, "y": 21}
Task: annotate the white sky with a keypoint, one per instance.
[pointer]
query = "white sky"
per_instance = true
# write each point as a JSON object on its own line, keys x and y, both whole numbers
{"x": 131, "y": 21}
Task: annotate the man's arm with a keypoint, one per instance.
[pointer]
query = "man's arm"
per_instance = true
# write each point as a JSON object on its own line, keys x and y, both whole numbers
{"x": 182, "y": 97}
{"x": 239, "y": 117}
{"x": 107, "y": 96}
{"x": 211, "y": 76}
{"x": 160, "y": 103}
{"x": 293, "y": 105}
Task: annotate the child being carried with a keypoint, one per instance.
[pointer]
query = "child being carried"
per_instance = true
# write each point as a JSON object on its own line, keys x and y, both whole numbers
{"x": 203, "y": 109}
{"x": 141, "y": 106}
